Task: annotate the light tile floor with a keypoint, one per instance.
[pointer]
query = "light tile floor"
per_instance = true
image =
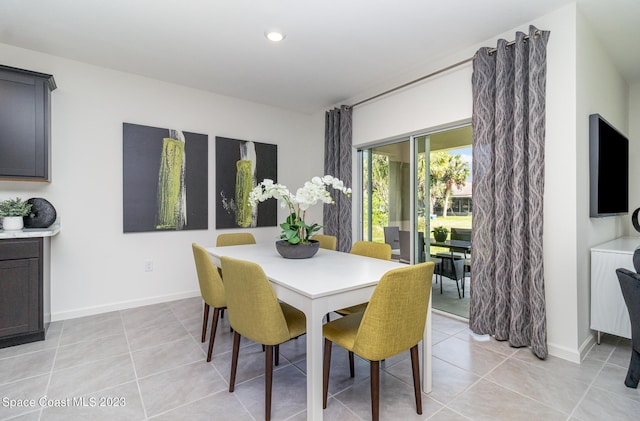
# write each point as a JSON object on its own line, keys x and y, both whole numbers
{"x": 151, "y": 361}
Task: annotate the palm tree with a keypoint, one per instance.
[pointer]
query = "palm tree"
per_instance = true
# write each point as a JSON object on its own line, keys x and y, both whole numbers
{"x": 446, "y": 171}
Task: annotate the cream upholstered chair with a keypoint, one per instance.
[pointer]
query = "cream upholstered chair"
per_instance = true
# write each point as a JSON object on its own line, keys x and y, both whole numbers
{"x": 393, "y": 322}
{"x": 212, "y": 291}
{"x": 255, "y": 313}
{"x": 368, "y": 249}
{"x": 235, "y": 239}
{"x": 328, "y": 242}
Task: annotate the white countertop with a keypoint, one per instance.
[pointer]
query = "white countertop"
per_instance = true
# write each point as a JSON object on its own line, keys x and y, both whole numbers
{"x": 31, "y": 232}
{"x": 625, "y": 245}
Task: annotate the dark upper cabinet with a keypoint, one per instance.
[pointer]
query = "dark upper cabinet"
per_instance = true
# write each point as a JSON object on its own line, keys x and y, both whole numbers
{"x": 25, "y": 129}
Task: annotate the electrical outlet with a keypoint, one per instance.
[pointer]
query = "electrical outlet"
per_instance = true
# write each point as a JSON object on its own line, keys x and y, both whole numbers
{"x": 148, "y": 265}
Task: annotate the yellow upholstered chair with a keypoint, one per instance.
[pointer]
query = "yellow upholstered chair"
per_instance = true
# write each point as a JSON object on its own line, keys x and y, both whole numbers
{"x": 235, "y": 239}
{"x": 328, "y": 242}
{"x": 369, "y": 249}
{"x": 212, "y": 291}
{"x": 255, "y": 313}
{"x": 393, "y": 322}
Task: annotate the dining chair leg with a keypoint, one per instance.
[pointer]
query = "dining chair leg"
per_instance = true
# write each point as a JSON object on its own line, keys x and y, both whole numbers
{"x": 204, "y": 322}
{"x": 234, "y": 361}
{"x": 277, "y": 355}
{"x": 441, "y": 277}
{"x": 326, "y": 366}
{"x": 268, "y": 381}
{"x": 214, "y": 327}
{"x": 352, "y": 369}
{"x": 374, "y": 369}
{"x": 415, "y": 366}
{"x": 222, "y": 314}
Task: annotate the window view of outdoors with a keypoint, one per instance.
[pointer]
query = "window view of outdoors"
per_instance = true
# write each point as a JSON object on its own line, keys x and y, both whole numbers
{"x": 450, "y": 203}
{"x": 403, "y": 202}
{"x": 450, "y": 189}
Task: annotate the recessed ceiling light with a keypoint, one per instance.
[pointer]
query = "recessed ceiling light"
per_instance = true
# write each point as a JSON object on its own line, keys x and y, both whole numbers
{"x": 274, "y": 36}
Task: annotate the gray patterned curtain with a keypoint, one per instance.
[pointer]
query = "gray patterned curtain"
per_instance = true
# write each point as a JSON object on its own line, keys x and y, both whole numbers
{"x": 337, "y": 162}
{"x": 508, "y": 184}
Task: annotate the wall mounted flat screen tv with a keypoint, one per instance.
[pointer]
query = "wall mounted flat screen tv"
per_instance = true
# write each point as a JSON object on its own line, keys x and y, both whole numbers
{"x": 608, "y": 169}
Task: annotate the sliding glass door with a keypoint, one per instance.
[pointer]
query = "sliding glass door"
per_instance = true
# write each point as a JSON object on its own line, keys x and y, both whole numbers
{"x": 412, "y": 184}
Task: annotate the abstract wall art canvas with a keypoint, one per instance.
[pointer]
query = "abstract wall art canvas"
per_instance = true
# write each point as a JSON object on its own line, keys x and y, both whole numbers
{"x": 240, "y": 165}
{"x": 165, "y": 179}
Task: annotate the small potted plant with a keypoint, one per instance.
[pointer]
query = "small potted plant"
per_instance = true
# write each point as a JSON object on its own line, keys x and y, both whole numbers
{"x": 440, "y": 233}
{"x": 12, "y": 212}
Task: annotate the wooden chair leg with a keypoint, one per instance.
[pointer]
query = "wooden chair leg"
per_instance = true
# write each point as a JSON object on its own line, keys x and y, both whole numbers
{"x": 374, "y": 369}
{"x": 234, "y": 361}
{"x": 277, "y": 355}
{"x": 222, "y": 313}
{"x": 268, "y": 381}
{"x": 204, "y": 322}
{"x": 352, "y": 369}
{"x": 415, "y": 366}
{"x": 326, "y": 366}
{"x": 214, "y": 327}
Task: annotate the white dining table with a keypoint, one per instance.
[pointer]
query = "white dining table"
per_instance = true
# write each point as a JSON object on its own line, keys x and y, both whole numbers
{"x": 328, "y": 281}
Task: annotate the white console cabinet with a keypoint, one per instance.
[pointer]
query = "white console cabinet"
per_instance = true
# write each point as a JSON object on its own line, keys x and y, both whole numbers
{"x": 608, "y": 310}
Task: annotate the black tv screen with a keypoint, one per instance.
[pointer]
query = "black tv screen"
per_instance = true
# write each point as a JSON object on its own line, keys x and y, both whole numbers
{"x": 608, "y": 169}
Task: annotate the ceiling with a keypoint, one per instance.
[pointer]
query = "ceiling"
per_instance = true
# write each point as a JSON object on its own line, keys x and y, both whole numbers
{"x": 333, "y": 50}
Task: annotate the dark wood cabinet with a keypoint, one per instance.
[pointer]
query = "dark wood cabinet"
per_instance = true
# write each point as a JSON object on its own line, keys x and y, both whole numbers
{"x": 21, "y": 291}
{"x": 25, "y": 129}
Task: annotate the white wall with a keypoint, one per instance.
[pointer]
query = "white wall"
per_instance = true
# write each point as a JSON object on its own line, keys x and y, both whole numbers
{"x": 95, "y": 267}
{"x": 600, "y": 89}
{"x": 634, "y": 151}
{"x": 447, "y": 98}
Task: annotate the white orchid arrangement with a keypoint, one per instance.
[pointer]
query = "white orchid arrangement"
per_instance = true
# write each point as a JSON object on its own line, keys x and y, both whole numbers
{"x": 295, "y": 230}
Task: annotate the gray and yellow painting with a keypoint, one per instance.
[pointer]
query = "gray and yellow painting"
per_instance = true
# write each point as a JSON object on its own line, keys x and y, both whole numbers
{"x": 239, "y": 163}
{"x": 165, "y": 179}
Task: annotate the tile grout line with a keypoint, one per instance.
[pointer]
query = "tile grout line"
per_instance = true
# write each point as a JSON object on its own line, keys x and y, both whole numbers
{"x": 590, "y": 386}
{"x": 135, "y": 371}
{"x": 526, "y": 396}
{"x": 53, "y": 364}
{"x": 195, "y": 339}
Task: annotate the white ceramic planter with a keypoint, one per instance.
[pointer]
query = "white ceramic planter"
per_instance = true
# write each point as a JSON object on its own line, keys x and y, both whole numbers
{"x": 12, "y": 223}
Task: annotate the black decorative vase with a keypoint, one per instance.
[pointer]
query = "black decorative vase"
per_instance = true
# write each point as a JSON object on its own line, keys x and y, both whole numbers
{"x": 297, "y": 251}
{"x": 42, "y": 215}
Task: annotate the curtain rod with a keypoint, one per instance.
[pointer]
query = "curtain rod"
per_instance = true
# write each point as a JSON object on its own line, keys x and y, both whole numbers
{"x": 437, "y": 72}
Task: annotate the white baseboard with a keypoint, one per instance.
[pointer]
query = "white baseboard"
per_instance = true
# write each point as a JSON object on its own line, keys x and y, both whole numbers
{"x": 565, "y": 353}
{"x": 586, "y": 346}
{"x": 123, "y": 305}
